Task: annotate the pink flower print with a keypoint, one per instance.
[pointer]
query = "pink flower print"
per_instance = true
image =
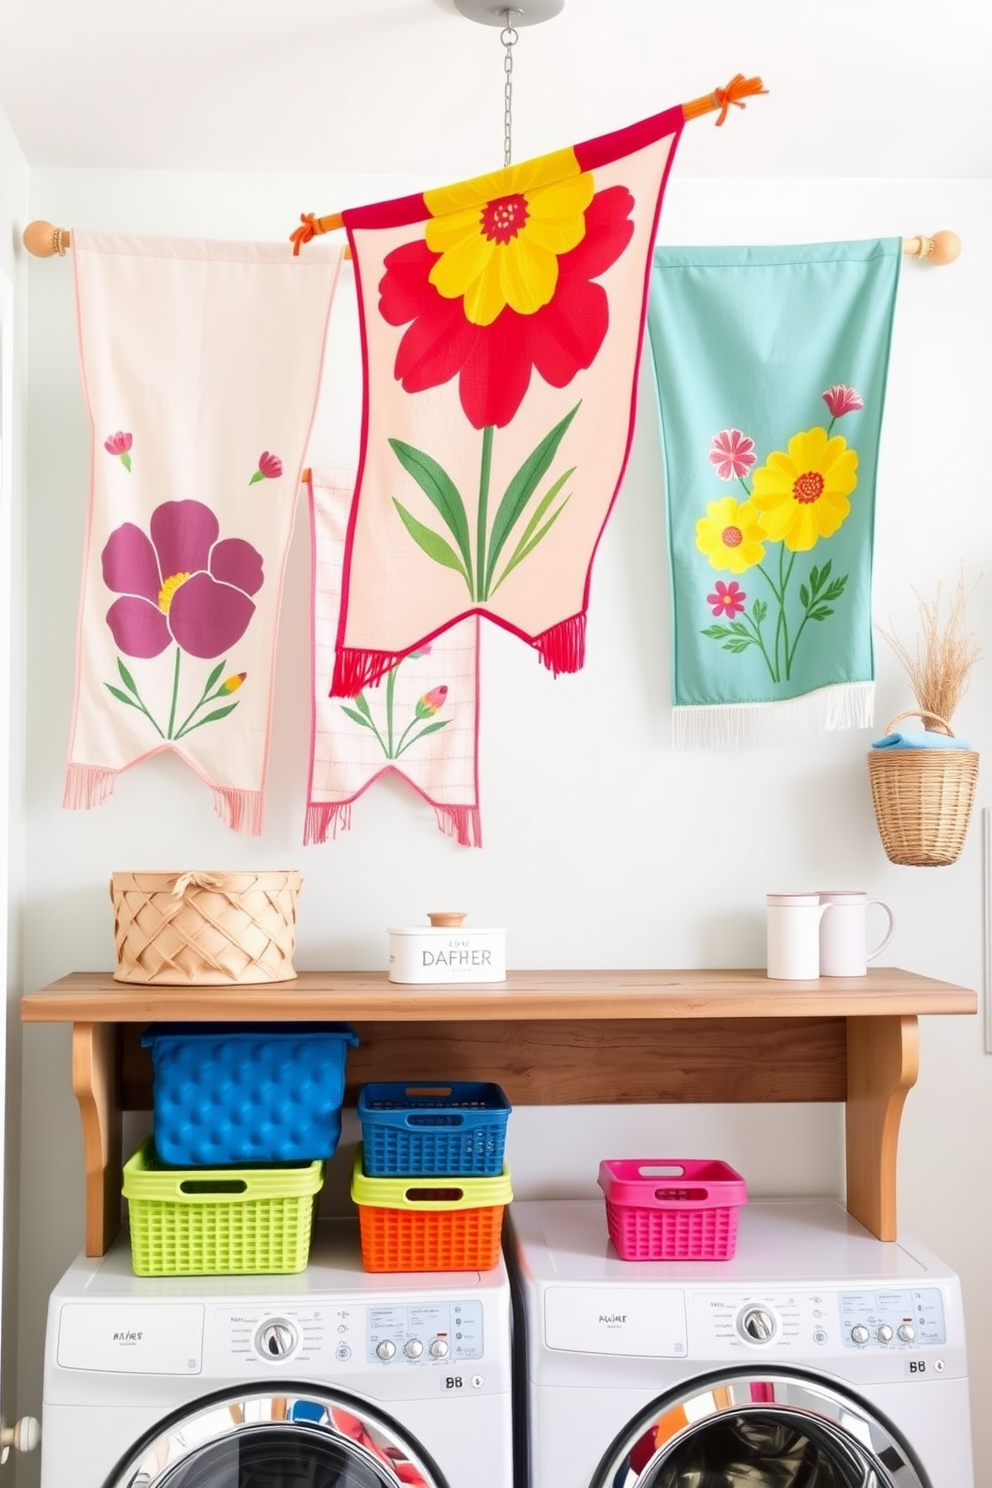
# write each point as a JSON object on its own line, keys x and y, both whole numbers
{"x": 840, "y": 400}
{"x": 120, "y": 444}
{"x": 431, "y": 702}
{"x": 728, "y": 600}
{"x": 180, "y": 584}
{"x": 269, "y": 468}
{"x": 732, "y": 454}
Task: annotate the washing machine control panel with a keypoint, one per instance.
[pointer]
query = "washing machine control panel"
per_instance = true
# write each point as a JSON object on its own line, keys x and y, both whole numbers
{"x": 869, "y": 1319}
{"x": 340, "y": 1336}
{"x": 428, "y": 1333}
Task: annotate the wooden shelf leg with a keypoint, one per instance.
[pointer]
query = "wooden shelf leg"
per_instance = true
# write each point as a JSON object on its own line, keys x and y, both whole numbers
{"x": 882, "y": 1065}
{"x": 94, "y": 1084}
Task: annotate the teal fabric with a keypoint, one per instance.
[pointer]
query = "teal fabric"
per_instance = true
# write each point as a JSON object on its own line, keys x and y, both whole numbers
{"x": 749, "y": 339}
{"x": 900, "y": 740}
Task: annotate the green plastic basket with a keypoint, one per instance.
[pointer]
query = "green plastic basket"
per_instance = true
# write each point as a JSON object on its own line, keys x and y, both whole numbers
{"x": 219, "y": 1221}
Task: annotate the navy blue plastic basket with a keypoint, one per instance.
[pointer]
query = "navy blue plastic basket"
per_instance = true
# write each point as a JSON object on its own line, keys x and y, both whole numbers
{"x": 247, "y": 1092}
{"x": 437, "y": 1130}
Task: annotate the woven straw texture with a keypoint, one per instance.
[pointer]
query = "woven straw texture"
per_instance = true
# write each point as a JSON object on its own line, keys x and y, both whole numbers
{"x": 923, "y": 800}
{"x": 204, "y": 929}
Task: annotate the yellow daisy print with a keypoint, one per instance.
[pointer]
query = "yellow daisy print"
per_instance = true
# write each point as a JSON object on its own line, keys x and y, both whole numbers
{"x": 731, "y": 535}
{"x": 802, "y": 495}
{"x": 500, "y": 235}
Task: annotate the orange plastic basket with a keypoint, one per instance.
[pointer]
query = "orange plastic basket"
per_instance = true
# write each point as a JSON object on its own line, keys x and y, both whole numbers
{"x": 429, "y": 1224}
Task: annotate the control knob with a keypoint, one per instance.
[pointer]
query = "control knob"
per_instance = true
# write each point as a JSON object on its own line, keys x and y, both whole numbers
{"x": 758, "y": 1325}
{"x": 859, "y": 1333}
{"x": 438, "y": 1348}
{"x": 386, "y": 1349}
{"x": 884, "y": 1333}
{"x": 276, "y": 1339}
{"x": 413, "y": 1348}
{"x": 906, "y": 1332}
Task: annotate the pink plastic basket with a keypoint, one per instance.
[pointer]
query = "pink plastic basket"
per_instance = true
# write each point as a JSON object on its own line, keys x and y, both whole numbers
{"x": 672, "y": 1209}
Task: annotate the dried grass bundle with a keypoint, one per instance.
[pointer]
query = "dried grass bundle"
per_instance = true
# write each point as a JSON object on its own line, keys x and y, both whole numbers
{"x": 946, "y": 651}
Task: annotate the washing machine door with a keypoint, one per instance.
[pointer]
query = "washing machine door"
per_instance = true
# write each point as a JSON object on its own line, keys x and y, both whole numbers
{"x": 302, "y": 1437}
{"x": 770, "y": 1430}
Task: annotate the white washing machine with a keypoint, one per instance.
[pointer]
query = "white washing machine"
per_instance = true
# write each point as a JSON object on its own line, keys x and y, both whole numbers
{"x": 818, "y": 1357}
{"x": 334, "y": 1378}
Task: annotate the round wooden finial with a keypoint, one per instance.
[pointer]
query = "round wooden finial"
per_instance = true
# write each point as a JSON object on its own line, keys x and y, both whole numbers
{"x": 445, "y": 918}
{"x": 946, "y": 247}
{"x": 44, "y": 240}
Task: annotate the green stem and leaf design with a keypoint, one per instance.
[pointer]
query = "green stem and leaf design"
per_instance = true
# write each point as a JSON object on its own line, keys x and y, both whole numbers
{"x": 817, "y": 595}
{"x": 212, "y": 692}
{"x": 385, "y": 732}
{"x": 479, "y": 565}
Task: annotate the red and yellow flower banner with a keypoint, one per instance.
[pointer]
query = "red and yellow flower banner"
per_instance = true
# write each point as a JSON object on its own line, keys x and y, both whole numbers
{"x": 501, "y": 322}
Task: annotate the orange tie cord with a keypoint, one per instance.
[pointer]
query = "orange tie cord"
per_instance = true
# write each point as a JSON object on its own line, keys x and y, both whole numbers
{"x": 734, "y": 93}
{"x": 313, "y": 227}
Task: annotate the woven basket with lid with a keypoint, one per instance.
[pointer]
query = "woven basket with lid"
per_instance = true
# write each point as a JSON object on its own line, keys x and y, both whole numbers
{"x": 205, "y": 929}
{"x": 922, "y": 798}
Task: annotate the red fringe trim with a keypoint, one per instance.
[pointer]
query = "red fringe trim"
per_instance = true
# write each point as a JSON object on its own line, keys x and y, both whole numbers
{"x": 325, "y": 819}
{"x": 355, "y": 669}
{"x": 461, "y": 822}
{"x": 87, "y": 786}
{"x": 241, "y": 810}
{"x": 563, "y": 647}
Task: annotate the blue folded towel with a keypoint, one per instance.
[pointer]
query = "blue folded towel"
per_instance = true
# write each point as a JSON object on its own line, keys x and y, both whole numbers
{"x": 919, "y": 741}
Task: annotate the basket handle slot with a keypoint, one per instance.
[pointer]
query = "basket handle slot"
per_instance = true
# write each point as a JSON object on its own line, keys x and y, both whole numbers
{"x": 681, "y": 1195}
{"x": 213, "y": 1185}
{"x": 434, "y": 1195}
{"x": 428, "y": 1092}
{"x": 661, "y": 1170}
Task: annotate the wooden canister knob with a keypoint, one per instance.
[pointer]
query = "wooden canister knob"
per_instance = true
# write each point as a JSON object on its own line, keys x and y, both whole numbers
{"x": 446, "y": 918}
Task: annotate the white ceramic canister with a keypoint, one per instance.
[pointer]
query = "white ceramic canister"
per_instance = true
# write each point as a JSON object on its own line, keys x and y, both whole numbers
{"x": 794, "y": 936}
{"x": 447, "y": 951}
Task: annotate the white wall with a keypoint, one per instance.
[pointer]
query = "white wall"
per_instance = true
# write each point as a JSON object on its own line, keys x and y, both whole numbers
{"x": 603, "y": 846}
{"x": 13, "y": 215}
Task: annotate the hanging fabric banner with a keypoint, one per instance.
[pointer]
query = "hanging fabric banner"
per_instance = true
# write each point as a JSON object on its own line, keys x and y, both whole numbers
{"x": 770, "y": 368}
{"x": 200, "y": 364}
{"x": 422, "y": 724}
{"x": 501, "y": 322}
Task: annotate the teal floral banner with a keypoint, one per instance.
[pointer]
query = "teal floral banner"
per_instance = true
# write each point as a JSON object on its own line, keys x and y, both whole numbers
{"x": 770, "y": 368}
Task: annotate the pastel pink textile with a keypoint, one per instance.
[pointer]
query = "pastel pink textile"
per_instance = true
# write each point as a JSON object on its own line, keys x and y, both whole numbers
{"x": 422, "y": 723}
{"x": 499, "y": 408}
{"x": 200, "y": 364}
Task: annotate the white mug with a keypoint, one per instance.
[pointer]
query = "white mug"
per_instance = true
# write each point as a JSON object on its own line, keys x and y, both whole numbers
{"x": 794, "y": 936}
{"x": 844, "y": 932}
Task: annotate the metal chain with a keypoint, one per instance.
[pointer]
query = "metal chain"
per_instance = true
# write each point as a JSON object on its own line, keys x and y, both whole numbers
{"x": 509, "y": 37}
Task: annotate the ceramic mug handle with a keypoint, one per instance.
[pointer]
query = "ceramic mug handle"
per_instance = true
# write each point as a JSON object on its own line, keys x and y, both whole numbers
{"x": 889, "y": 932}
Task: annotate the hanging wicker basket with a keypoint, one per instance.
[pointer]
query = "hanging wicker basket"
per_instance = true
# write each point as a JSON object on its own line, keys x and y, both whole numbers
{"x": 922, "y": 798}
{"x": 204, "y": 929}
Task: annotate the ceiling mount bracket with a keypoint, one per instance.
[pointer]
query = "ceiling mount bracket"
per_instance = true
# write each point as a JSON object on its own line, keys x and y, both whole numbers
{"x": 527, "y": 13}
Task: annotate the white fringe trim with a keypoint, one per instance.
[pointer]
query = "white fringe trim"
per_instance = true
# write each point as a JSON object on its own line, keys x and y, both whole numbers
{"x": 843, "y": 705}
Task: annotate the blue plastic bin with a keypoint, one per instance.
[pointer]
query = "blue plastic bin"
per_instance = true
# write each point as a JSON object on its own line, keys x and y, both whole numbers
{"x": 438, "y": 1130}
{"x": 247, "y": 1092}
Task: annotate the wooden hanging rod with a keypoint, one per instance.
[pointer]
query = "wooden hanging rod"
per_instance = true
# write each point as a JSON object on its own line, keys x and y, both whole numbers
{"x": 45, "y": 241}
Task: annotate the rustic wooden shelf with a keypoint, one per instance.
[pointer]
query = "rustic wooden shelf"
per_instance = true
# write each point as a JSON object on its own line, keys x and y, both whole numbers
{"x": 548, "y": 1038}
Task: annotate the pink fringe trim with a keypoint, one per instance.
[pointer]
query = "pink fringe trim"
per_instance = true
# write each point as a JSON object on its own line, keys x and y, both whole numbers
{"x": 355, "y": 669}
{"x": 87, "y": 786}
{"x": 325, "y": 819}
{"x": 563, "y": 647}
{"x": 241, "y": 810}
{"x": 461, "y": 822}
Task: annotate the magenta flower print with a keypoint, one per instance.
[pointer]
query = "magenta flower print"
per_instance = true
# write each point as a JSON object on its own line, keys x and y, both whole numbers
{"x": 120, "y": 444}
{"x": 180, "y": 584}
{"x": 728, "y": 600}
{"x": 269, "y": 468}
{"x": 732, "y": 454}
{"x": 841, "y": 399}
